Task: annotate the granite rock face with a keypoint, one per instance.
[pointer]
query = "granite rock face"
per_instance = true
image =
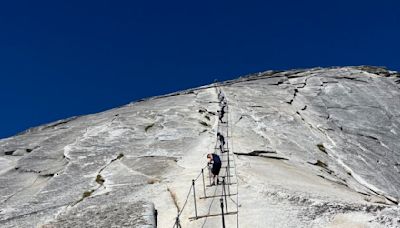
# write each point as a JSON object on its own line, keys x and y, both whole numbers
{"x": 347, "y": 119}
{"x": 316, "y": 147}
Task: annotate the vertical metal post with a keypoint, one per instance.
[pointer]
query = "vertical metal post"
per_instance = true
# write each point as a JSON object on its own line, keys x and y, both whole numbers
{"x": 222, "y": 212}
{"x": 194, "y": 196}
{"x": 155, "y": 215}
{"x": 228, "y": 178}
{"x": 204, "y": 184}
{"x": 229, "y": 188}
{"x": 229, "y": 164}
{"x": 229, "y": 172}
{"x": 209, "y": 174}
{"x": 224, "y": 194}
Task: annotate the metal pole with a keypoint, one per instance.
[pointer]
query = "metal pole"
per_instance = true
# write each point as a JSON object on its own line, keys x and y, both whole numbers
{"x": 229, "y": 188}
{"x": 222, "y": 210}
{"x": 229, "y": 174}
{"x": 227, "y": 144}
{"x": 194, "y": 196}
{"x": 224, "y": 194}
{"x": 156, "y": 215}
{"x": 209, "y": 174}
{"x": 229, "y": 165}
{"x": 227, "y": 111}
{"x": 177, "y": 222}
{"x": 204, "y": 185}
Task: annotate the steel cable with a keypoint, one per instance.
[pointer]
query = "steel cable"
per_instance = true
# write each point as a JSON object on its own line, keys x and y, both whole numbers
{"x": 222, "y": 99}
{"x": 236, "y": 176}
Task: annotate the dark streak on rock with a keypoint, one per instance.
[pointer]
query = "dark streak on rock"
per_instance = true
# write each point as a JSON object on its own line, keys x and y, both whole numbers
{"x": 273, "y": 157}
{"x": 352, "y": 79}
{"x": 261, "y": 153}
{"x": 294, "y": 96}
{"x": 204, "y": 124}
{"x": 34, "y": 212}
{"x": 58, "y": 123}
{"x": 10, "y": 152}
{"x": 321, "y": 147}
{"x": 255, "y": 153}
{"x": 148, "y": 127}
{"x": 369, "y": 136}
{"x": 319, "y": 163}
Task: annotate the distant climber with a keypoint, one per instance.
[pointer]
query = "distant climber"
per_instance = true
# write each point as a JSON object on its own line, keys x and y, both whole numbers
{"x": 216, "y": 166}
{"x": 221, "y": 138}
{"x": 221, "y": 114}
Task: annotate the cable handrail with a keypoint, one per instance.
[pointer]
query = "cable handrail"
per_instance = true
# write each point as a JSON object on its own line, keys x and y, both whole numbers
{"x": 223, "y": 117}
{"x": 226, "y": 143}
{"x": 177, "y": 223}
{"x": 236, "y": 176}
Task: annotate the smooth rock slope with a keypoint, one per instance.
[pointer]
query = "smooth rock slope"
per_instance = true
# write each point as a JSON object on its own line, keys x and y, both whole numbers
{"x": 313, "y": 148}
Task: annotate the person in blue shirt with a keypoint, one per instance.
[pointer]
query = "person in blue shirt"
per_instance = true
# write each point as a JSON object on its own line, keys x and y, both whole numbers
{"x": 216, "y": 166}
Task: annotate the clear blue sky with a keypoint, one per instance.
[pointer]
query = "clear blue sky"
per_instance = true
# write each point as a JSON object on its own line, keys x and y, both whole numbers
{"x": 65, "y": 58}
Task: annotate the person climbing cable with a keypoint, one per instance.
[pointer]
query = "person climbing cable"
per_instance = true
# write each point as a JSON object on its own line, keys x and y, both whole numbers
{"x": 221, "y": 114}
{"x": 221, "y": 138}
{"x": 216, "y": 166}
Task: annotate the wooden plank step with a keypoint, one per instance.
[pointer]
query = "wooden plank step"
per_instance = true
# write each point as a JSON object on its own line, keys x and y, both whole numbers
{"x": 212, "y": 215}
{"x": 207, "y": 197}
{"x": 220, "y": 184}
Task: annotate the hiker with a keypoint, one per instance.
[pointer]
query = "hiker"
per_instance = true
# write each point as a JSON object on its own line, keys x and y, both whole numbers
{"x": 216, "y": 166}
{"x": 221, "y": 138}
{"x": 221, "y": 115}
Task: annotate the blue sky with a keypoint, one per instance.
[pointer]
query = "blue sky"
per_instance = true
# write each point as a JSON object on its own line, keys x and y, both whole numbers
{"x": 64, "y": 58}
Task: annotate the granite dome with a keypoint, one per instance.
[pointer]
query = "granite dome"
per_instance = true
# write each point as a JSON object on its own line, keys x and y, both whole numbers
{"x": 313, "y": 148}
